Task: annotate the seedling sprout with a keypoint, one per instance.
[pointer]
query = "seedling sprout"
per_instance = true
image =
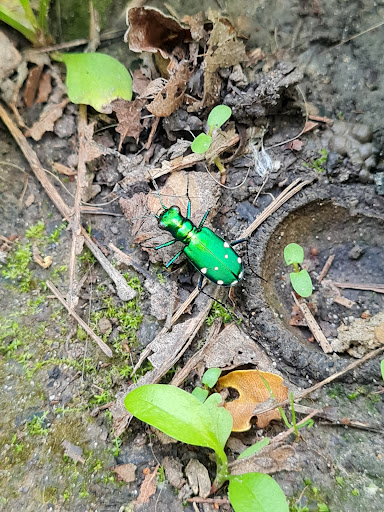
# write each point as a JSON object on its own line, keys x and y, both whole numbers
{"x": 300, "y": 279}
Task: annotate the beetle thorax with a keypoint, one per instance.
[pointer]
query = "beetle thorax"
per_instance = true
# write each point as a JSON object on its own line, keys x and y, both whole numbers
{"x": 179, "y": 227}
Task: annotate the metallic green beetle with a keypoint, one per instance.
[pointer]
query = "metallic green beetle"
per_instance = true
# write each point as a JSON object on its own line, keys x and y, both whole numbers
{"x": 210, "y": 254}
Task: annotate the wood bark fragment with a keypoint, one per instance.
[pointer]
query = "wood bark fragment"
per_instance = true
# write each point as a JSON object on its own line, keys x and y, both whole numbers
{"x": 313, "y": 326}
{"x": 343, "y": 301}
{"x": 326, "y": 267}
{"x": 372, "y": 287}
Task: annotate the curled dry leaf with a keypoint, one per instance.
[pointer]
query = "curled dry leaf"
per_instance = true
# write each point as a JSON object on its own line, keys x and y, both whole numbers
{"x": 129, "y": 116}
{"x": 252, "y": 388}
{"x": 148, "y": 487}
{"x": 49, "y": 116}
{"x": 31, "y": 85}
{"x": 139, "y": 82}
{"x": 224, "y": 50}
{"x": 171, "y": 97}
{"x": 43, "y": 262}
{"x": 198, "y": 478}
{"x": 149, "y": 30}
{"x": 73, "y": 451}
{"x": 45, "y": 87}
{"x": 125, "y": 472}
{"x": 270, "y": 459}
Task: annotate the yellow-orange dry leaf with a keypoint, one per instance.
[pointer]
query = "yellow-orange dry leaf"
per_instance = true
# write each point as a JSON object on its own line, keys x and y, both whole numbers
{"x": 252, "y": 392}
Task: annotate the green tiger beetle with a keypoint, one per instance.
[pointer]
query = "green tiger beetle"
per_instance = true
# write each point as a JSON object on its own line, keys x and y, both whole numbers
{"x": 210, "y": 254}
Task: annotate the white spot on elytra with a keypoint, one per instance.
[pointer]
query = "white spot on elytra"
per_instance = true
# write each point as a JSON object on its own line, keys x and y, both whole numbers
{"x": 220, "y": 281}
{"x": 216, "y": 268}
{"x": 234, "y": 282}
{"x": 203, "y": 270}
{"x": 226, "y": 245}
{"x": 239, "y": 260}
{"x": 241, "y": 274}
{"x": 226, "y": 256}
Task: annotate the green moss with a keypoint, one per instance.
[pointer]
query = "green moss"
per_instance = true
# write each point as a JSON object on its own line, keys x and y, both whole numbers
{"x": 36, "y": 426}
{"x": 37, "y": 231}
{"x": 17, "y": 266}
{"x": 50, "y": 495}
{"x": 319, "y": 163}
{"x": 217, "y": 310}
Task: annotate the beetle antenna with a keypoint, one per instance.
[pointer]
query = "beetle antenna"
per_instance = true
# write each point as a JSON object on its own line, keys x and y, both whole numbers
{"x": 157, "y": 190}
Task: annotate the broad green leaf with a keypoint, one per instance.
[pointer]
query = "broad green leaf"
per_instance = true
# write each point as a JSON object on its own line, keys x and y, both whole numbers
{"x": 96, "y": 79}
{"x": 201, "y": 143}
{"x": 254, "y": 448}
{"x": 210, "y": 377}
{"x": 19, "y": 17}
{"x": 256, "y": 492}
{"x": 201, "y": 394}
{"x": 218, "y": 116}
{"x": 293, "y": 253}
{"x": 302, "y": 283}
{"x": 382, "y": 369}
{"x": 181, "y": 416}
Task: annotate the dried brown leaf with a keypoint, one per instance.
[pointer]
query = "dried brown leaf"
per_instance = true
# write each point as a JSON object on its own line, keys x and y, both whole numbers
{"x": 45, "y": 262}
{"x": 196, "y": 23}
{"x": 253, "y": 391}
{"x": 140, "y": 82}
{"x": 171, "y": 97}
{"x": 73, "y": 451}
{"x": 31, "y": 85}
{"x": 49, "y": 116}
{"x": 198, "y": 478}
{"x": 151, "y": 31}
{"x": 129, "y": 116}
{"x": 309, "y": 125}
{"x": 125, "y": 472}
{"x": 271, "y": 459}
{"x": 148, "y": 487}
{"x": 45, "y": 87}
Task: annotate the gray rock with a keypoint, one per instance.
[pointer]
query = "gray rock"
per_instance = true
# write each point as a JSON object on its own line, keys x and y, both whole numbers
{"x": 65, "y": 127}
{"x": 379, "y": 183}
{"x": 356, "y": 252}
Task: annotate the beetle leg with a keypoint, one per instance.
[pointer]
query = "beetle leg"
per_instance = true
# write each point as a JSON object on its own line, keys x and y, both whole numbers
{"x": 204, "y": 219}
{"x": 238, "y": 241}
{"x": 171, "y": 242}
{"x": 199, "y": 286}
{"x": 173, "y": 259}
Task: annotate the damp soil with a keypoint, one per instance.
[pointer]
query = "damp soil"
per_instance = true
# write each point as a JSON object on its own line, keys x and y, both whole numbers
{"x": 53, "y": 379}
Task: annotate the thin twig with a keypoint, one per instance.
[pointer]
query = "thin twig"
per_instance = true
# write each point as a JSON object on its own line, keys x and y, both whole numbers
{"x": 326, "y": 267}
{"x": 287, "y": 193}
{"x": 77, "y": 239}
{"x": 372, "y": 287}
{"x": 319, "y": 385}
{"x": 104, "y": 347}
{"x": 219, "y": 501}
{"x": 353, "y": 37}
{"x": 313, "y": 326}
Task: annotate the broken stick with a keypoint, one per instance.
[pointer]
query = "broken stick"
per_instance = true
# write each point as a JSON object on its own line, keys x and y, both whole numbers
{"x": 326, "y": 267}
{"x": 313, "y": 326}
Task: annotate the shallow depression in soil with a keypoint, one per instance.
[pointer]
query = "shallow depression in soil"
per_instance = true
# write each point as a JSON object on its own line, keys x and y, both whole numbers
{"x": 331, "y": 229}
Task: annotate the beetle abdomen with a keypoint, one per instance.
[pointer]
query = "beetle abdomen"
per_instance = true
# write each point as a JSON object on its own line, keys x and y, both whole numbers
{"x": 214, "y": 258}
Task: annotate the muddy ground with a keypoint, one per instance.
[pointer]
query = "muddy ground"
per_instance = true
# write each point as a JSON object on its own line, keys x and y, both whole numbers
{"x": 55, "y": 381}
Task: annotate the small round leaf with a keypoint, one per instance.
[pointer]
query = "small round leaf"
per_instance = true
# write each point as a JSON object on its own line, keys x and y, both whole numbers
{"x": 218, "y": 116}
{"x": 302, "y": 283}
{"x": 256, "y": 492}
{"x": 201, "y": 394}
{"x": 293, "y": 253}
{"x": 201, "y": 143}
{"x": 210, "y": 377}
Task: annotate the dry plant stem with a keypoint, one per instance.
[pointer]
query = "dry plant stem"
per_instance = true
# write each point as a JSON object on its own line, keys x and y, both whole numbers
{"x": 145, "y": 353}
{"x": 302, "y": 409}
{"x": 124, "y": 291}
{"x": 177, "y": 164}
{"x": 183, "y": 373}
{"x": 155, "y": 124}
{"x": 287, "y": 193}
{"x": 77, "y": 240}
{"x": 319, "y": 385}
{"x": 313, "y": 325}
{"x": 326, "y": 267}
{"x": 127, "y": 260}
{"x": 219, "y": 501}
{"x": 378, "y": 288}
{"x": 104, "y": 347}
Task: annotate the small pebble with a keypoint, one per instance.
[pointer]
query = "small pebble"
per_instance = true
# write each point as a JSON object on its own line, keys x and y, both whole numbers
{"x": 356, "y": 252}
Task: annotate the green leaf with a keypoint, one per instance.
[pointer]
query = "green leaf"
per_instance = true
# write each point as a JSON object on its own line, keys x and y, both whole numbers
{"x": 96, "y": 79}
{"x": 181, "y": 416}
{"x": 19, "y": 17}
{"x": 202, "y": 143}
{"x": 257, "y": 492}
{"x": 200, "y": 393}
{"x": 210, "y": 377}
{"x": 218, "y": 116}
{"x": 293, "y": 253}
{"x": 254, "y": 448}
{"x": 322, "y": 507}
{"x": 382, "y": 369}
{"x": 302, "y": 283}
